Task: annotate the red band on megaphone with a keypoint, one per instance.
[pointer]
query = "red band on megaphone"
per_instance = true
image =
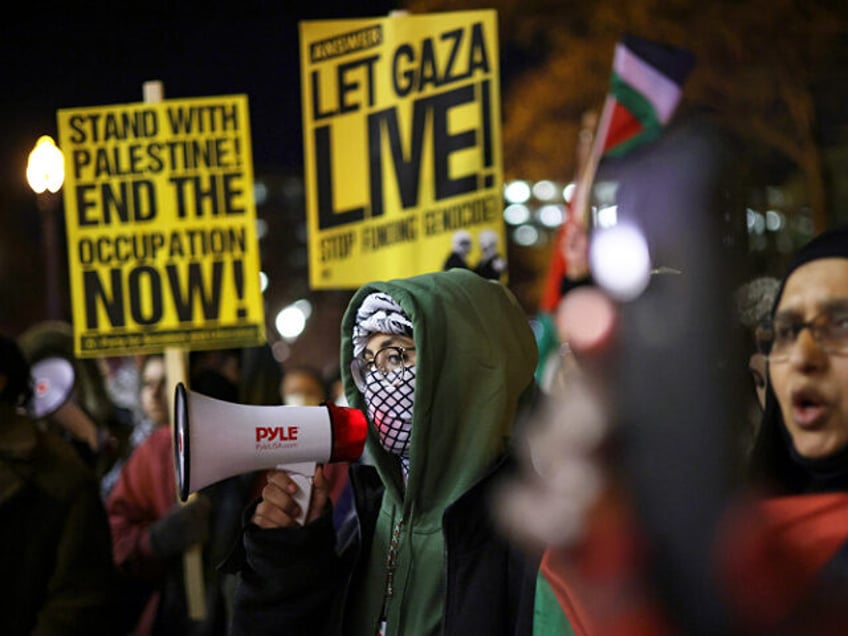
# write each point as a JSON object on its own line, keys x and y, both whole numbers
{"x": 349, "y": 431}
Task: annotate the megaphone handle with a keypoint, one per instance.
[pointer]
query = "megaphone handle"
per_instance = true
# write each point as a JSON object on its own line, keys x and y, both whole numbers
{"x": 301, "y": 473}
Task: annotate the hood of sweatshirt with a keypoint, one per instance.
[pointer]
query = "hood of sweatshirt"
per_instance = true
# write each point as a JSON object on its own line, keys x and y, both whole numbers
{"x": 475, "y": 359}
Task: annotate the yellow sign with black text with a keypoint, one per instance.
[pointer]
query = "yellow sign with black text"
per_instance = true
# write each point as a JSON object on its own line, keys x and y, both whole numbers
{"x": 402, "y": 146}
{"x": 161, "y": 226}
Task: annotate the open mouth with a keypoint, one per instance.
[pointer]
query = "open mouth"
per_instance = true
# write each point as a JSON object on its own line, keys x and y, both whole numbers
{"x": 808, "y": 408}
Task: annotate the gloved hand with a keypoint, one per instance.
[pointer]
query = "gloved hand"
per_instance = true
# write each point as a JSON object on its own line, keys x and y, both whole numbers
{"x": 183, "y": 526}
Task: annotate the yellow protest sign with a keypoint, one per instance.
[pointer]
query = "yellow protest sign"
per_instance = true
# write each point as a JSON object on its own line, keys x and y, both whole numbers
{"x": 402, "y": 144}
{"x": 161, "y": 226}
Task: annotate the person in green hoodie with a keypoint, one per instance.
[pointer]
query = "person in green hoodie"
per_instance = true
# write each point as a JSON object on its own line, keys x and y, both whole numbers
{"x": 442, "y": 364}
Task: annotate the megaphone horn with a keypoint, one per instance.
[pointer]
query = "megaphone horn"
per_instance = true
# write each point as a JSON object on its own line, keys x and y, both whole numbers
{"x": 53, "y": 382}
{"x": 215, "y": 439}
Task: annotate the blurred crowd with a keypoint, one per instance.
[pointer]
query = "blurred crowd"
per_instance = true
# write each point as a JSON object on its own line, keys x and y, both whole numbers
{"x": 96, "y": 535}
{"x": 680, "y": 466}
{"x": 586, "y": 503}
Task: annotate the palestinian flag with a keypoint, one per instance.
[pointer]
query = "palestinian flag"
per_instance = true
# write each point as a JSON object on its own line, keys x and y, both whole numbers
{"x": 777, "y": 559}
{"x": 645, "y": 89}
{"x": 600, "y": 586}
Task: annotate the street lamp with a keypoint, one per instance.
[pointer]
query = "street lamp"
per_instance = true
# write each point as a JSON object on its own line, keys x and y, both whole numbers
{"x": 46, "y": 173}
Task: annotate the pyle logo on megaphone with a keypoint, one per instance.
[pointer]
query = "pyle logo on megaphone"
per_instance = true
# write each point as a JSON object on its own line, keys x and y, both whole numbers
{"x": 275, "y": 434}
{"x": 214, "y": 439}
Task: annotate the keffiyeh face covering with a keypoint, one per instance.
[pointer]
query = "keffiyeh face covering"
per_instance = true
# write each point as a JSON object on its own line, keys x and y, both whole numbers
{"x": 390, "y": 408}
{"x": 389, "y": 399}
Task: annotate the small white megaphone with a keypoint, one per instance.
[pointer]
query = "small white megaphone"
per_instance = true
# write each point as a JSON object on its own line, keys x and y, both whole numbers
{"x": 53, "y": 382}
{"x": 215, "y": 439}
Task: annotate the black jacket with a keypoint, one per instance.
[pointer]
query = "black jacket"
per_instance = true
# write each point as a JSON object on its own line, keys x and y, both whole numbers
{"x": 490, "y": 583}
{"x": 55, "y": 547}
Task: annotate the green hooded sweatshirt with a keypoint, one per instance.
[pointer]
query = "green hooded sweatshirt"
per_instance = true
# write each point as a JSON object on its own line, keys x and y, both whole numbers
{"x": 476, "y": 355}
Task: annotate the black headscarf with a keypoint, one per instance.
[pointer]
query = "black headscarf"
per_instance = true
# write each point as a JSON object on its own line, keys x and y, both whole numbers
{"x": 775, "y": 463}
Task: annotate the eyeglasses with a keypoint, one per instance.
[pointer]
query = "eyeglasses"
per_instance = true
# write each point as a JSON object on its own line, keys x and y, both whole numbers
{"x": 391, "y": 362}
{"x": 829, "y": 329}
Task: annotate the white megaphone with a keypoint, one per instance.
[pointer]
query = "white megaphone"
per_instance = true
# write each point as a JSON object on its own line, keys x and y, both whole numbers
{"x": 215, "y": 439}
{"x": 53, "y": 381}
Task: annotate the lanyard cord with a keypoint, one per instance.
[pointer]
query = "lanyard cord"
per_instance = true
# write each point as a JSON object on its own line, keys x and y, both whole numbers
{"x": 391, "y": 564}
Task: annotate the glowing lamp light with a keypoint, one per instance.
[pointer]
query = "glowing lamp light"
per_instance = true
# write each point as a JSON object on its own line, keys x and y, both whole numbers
{"x": 608, "y": 216}
{"x": 620, "y": 261}
{"x": 261, "y": 228}
{"x": 304, "y": 306}
{"x": 545, "y": 190}
{"x": 260, "y": 193}
{"x": 550, "y": 215}
{"x": 45, "y": 166}
{"x": 291, "y": 321}
{"x": 774, "y": 221}
{"x": 516, "y": 214}
{"x": 526, "y": 235}
{"x": 517, "y": 192}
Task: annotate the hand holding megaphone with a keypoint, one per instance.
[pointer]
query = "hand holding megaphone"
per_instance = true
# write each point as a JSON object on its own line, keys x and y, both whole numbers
{"x": 215, "y": 439}
{"x": 285, "y": 501}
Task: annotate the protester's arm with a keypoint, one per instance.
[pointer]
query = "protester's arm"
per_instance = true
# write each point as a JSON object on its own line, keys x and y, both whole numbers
{"x": 149, "y": 529}
{"x": 289, "y": 575}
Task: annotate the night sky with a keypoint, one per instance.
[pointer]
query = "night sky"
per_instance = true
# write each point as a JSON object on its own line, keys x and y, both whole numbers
{"x": 94, "y": 54}
{"x": 68, "y": 57}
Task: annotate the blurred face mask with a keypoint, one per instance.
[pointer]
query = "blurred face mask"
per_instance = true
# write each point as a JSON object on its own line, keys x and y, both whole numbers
{"x": 297, "y": 399}
{"x": 301, "y": 389}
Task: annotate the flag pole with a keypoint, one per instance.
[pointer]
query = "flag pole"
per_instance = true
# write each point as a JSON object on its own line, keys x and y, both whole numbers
{"x": 583, "y": 187}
